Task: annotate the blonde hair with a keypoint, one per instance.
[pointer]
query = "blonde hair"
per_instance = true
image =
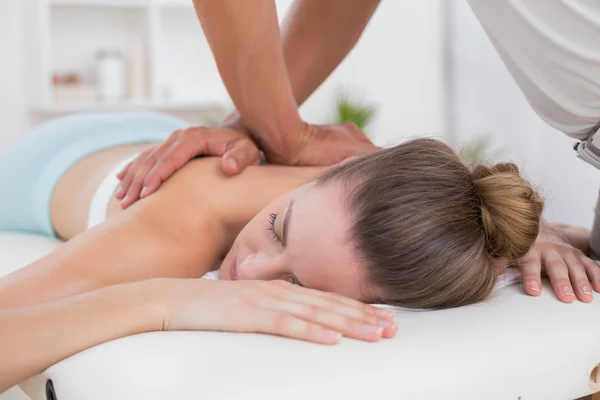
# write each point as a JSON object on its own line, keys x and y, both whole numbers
{"x": 432, "y": 230}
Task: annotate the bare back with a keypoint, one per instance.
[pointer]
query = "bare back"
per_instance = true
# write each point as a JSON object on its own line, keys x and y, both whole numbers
{"x": 73, "y": 194}
{"x": 200, "y": 181}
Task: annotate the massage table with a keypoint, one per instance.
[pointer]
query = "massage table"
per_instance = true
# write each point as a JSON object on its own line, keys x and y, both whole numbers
{"x": 510, "y": 347}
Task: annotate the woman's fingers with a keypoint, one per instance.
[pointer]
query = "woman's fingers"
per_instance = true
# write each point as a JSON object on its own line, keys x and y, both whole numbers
{"x": 352, "y": 308}
{"x": 267, "y": 307}
{"x": 531, "y": 274}
{"x": 288, "y": 325}
{"x": 367, "y": 313}
{"x": 328, "y": 318}
{"x": 592, "y": 270}
{"x": 578, "y": 277}
{"x": 558, "y": 272}
{"x": 354, "y": 319}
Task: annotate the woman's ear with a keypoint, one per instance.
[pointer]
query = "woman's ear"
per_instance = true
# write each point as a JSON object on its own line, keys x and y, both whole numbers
{"x": 344, "y": 161}
{"x": 347, "y": 160}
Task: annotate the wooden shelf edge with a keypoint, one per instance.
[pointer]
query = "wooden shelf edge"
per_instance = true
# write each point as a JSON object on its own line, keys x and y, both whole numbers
{"x": 70, "y": 107}
{"x": 123, "y": 3}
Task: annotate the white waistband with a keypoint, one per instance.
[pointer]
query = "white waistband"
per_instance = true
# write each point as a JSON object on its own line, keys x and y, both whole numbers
{"x": 104, "y": 194}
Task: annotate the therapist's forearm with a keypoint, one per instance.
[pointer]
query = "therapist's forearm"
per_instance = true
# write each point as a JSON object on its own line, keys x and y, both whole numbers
{"x": 35, "y": 337}
{"x": 245, "y": 40}
{"x": 317, "y": 35}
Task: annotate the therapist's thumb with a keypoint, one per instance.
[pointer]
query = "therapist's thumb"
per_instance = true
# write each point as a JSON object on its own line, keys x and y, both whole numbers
{"x": 239, "y": 154}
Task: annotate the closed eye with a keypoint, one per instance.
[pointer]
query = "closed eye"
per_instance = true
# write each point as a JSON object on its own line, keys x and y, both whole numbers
{"x": 295, "y": 281}
{"x": 271, "y": 228}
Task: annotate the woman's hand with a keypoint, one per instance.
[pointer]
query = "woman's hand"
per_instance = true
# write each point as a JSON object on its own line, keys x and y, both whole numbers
{"x": 274, "y": 307}
{"x": 572, "y": 273}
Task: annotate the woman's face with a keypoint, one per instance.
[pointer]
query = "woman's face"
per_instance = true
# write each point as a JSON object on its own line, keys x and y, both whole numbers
{"x": 303, "y": 237}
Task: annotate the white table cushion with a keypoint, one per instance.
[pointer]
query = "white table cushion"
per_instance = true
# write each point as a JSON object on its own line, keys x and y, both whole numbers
{"x": 508, "y": 347}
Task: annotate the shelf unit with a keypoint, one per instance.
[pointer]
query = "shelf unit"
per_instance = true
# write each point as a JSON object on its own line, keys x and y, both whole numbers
{"x": 65, "y": 35}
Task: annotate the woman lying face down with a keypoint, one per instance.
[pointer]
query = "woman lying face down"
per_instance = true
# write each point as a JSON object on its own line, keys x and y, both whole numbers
{"x": 410, "y": 226}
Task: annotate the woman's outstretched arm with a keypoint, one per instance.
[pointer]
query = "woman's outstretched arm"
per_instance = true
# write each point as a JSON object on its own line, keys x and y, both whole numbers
{"x": 169, "y": 235}
{"x": 181, "y": 231}
{"x": 35, "y": 337}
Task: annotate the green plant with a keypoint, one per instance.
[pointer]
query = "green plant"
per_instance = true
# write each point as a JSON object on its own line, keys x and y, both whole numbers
{"x": 476, "y": 150}
{"x": 348, "y": 110}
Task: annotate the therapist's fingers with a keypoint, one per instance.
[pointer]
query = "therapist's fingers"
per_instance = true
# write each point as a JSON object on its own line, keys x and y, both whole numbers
{"x": 593, "y": 271}
{"x": 123, "y": 172}
{"x": 135, "y": 186}
{"x": 130, "y": 174}
{"x": 239, "y": 154}
{"x": 122, "y": 176}
{"x": 558, "y": 272}
{"x": 158, "y": 150}
{"x": 531, "y": 273}
{"x": 142, "y": 190}
{"x": 170, "y": 161}
{"x": 579, "y": 278}
{"x": 189, "y": 144}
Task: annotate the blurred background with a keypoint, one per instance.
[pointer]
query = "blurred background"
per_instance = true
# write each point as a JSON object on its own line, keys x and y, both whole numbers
{"x": 422, "y": 68}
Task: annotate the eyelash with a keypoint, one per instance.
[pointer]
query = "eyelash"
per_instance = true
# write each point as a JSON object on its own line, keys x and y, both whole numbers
{"x": 295, "y": 281}
{"x": 271, "y": 228}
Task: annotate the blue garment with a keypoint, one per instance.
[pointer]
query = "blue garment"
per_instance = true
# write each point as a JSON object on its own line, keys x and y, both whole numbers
{"x": 33, "y": 165}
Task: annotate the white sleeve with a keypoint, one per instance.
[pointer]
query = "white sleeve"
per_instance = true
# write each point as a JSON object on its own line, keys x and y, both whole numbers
{"x": 552, "y": 50}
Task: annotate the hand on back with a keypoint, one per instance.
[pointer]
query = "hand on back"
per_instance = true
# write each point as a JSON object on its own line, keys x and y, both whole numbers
{"x": 311, "y": 145}
{"x": 144, "y": 175}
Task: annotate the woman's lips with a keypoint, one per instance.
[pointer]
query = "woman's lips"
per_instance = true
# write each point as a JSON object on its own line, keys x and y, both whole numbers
{"x": 233, "y": 269}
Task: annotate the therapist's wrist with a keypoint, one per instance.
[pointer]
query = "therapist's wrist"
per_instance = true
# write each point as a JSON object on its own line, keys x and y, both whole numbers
{"x": 282, "y": 139}
{"x": 234, "y": 121}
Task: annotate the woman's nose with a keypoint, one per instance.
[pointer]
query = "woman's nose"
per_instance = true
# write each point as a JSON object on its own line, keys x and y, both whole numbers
{"x": 258, "y": 266}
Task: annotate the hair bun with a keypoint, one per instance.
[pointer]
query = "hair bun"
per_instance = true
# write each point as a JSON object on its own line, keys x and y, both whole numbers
{"x": 510, "y": 210}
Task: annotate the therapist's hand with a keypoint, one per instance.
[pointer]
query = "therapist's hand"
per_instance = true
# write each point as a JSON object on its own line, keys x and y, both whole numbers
{"x": 145, "y": 174}
{"x": 273, "y": 307}
{"x": 309, "y": 145}
{"x": 572, "y": 273}
{"x": 315, "y": 145}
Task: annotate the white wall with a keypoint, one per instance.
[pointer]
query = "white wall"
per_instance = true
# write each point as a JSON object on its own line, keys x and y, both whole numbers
{"x": 485, "y": 100}
{"x": 396, "y": 65}
{"x": 13, "y": 96}
{"x": 399, "y": 65}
